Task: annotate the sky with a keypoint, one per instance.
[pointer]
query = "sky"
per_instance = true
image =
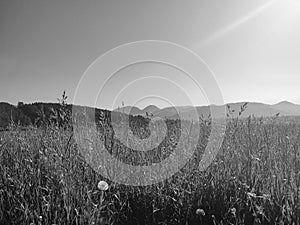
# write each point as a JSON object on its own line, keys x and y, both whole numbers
{"x": 251, "y": 48}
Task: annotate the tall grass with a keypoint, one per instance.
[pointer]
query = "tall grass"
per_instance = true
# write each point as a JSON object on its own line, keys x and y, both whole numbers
{"x": 255, "y": 179}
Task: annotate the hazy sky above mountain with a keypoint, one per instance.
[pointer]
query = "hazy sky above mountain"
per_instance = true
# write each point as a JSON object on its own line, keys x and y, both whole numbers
{"x": 252, "y": 46}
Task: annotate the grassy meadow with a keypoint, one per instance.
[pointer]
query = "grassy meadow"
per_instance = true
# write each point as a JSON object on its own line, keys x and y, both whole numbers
{"x": 255, "y": 178}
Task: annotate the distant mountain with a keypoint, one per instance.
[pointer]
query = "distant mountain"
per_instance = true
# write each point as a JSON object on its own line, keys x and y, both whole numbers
{"x": 150, "y": 109}
{"x": 175, "y": 111}
{"x": 133, "y": 110}
{"x": 253, "y": 108}
{"x": 287, "y": 107}
{"x": 130, "y": 110}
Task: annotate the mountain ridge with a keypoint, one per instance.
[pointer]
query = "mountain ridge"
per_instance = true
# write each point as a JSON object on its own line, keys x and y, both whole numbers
{"x": 284, "y": 108}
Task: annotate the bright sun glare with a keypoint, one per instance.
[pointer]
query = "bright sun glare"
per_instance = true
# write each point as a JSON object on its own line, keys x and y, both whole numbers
{"x": 290, "y": 9}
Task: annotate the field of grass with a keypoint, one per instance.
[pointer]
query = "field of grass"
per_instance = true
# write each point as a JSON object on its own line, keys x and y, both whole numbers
{"x": 255, "y": 179}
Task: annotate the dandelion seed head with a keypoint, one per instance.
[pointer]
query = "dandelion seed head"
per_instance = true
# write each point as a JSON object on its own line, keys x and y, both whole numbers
{"x": 200, "y": 212}
{"x": 233, "y": 211}
{"x": 102, "y": 185}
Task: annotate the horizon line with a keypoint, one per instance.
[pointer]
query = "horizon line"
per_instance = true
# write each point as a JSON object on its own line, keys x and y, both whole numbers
{"x": 99, "y": 107}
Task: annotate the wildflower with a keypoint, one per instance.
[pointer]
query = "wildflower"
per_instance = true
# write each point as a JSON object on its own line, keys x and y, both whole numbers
{"x": 102, "y": 185}
{"x": 200, "y": 212}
